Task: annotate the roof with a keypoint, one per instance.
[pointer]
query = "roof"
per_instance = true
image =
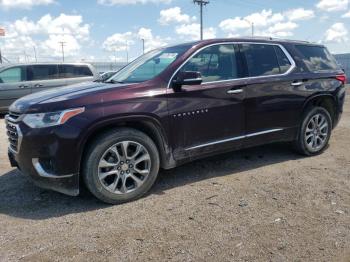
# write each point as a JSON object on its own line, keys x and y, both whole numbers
{"x": 247, "y": 39}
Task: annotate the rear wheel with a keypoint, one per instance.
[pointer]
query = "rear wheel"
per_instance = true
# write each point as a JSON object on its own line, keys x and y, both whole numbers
{"x": 121, "y": 166}
{"x": 315, "y": 132}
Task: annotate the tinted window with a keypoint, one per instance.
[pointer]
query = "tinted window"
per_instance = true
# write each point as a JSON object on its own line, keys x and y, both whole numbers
{"x": 72, "y": 71}
{"x": 317, "y": 58}
{"x": 261, "y": 59}
{"x": 12, "y": 75}
{"x": 44, "y": 72}
{"x": 215, "y": 63}
{"x": 282, "y": 59}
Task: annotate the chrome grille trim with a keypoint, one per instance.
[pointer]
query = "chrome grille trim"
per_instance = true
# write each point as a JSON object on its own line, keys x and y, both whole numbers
{"x": 14, "y": 134}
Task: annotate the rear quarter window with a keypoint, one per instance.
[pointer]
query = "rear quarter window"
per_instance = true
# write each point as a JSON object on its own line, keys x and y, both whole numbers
{"x": 317, "y": 58}
{"x": 73, "y": 71}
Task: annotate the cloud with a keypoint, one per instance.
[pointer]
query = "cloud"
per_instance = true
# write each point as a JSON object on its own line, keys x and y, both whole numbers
{"x": 282, "y": 29}
{"x": 299, "y": 14}
{"x": 332, "y": 5}
{"x": 151, "y": 42}
{"x": 346, "y": 15}
{"x": 173, "y": 15}
{"x": 192, "y": 31}
{"x": 234, "y": 24}
{"x": 118, "y": 42}
{"x": 265, "y": 18}
{"x": 266, "y": 23}
{"x": 48, "y": 31}
{"x": 261, "y": 19}
{"x": 337, "y": 33}
{"x": 23, "y": 4}
{"x": 131, "y": 2}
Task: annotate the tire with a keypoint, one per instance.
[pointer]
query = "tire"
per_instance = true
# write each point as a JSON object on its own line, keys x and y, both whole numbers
{"x": 306, "y": 135}
{"x": 105, "y": 156}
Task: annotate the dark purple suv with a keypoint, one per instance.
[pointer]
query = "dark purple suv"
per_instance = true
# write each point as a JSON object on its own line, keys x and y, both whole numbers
{"x": 174, "y": 105}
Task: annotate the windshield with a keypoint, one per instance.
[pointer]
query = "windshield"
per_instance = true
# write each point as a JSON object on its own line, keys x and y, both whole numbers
{"x": 149, "y": 65}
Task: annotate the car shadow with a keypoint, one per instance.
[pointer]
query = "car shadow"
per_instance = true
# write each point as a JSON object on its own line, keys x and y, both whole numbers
{"x": 20, "y": 198}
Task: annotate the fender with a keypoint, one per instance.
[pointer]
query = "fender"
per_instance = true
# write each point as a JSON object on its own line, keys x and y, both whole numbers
{"x": 318, "y": 95}
{"x": 152, "y": 124}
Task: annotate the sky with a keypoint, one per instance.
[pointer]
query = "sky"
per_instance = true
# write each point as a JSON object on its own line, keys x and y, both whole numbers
{"x": 111, "y": 30}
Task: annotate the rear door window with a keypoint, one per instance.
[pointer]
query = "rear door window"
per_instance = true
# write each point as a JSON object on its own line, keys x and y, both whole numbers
{"x": 216, "y": 63}
{"x": 317, "y": 58}
{"x": 265, "y": 60}
{"x": 13, "y": 75}
{"x": 44, "y": 72}
{"x": 72, "y": 71}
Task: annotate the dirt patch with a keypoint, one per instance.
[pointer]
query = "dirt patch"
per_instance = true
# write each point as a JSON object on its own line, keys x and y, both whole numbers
{"x": 261, "y": 204}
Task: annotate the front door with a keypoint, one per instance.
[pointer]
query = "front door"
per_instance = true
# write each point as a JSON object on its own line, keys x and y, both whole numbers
{"x": 210, "y": 116}
{"x": 13, "y": 85}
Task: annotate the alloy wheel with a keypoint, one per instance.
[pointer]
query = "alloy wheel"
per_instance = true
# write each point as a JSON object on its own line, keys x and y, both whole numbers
{"x": 124, "y": 167}
{"x": 316, "y": 133}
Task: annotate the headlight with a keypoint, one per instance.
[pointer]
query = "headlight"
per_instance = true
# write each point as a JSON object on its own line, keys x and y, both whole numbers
{"x": 41, "y": 120}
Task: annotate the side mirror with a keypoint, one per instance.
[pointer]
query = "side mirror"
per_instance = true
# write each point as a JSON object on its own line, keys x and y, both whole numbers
{"x": 187, "y": 78}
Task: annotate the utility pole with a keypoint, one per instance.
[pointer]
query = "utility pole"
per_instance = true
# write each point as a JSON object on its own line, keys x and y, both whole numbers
{"x": 201, "y": 3}
{"x": 143, "y": 46}
{"x": 127, "y": 52}
{"x": 115, "y": 56}
{"x": 36, "y": 59}
{"x": 2, "y": 33}
{"x": 25, "y": 56}
{"x": 251, "y": 24}
{"x": 62, "y": 46}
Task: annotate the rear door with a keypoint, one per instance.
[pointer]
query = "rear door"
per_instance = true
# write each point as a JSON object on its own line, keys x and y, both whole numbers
{"x": 209, "y": 117}
{"x": 44, "y": 77}
{"x": 272, "y": 104}
{"x": 75, "y": 73}
{"x": 13, "y": 85}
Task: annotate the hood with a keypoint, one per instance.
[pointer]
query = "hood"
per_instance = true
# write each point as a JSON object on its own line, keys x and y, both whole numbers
{"x": 59, "y": 94}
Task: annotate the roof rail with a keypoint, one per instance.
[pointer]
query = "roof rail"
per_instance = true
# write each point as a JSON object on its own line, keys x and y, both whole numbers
{"x": 276, "y": 38}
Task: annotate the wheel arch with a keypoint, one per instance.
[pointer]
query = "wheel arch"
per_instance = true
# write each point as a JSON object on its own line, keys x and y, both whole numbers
{"x": 326, "y": 101}
{"x": 146, "y": 124}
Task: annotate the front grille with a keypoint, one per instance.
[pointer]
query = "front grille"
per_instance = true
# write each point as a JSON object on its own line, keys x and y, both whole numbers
{"x": 12, "y": 134}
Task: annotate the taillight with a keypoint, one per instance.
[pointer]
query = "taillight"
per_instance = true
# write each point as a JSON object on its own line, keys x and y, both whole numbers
{"x": 341, "y": 78}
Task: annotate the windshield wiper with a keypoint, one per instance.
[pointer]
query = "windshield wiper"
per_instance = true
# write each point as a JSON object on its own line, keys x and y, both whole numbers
{"x": 114, "y": 82}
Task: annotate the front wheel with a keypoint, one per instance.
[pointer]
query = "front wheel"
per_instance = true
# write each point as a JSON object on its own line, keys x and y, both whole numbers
{"x": 121, "y": 166}
{"x": 315, "y": 132}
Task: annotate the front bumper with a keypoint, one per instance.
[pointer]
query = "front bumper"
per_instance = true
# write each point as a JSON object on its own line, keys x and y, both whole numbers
{"x": 49, "y": 157}
{"x": 66, "y": 184}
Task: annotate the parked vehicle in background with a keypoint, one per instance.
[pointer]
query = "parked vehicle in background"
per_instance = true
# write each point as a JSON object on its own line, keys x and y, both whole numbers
{"x": 173, "y": 105}
{"x": 23, "y": 79}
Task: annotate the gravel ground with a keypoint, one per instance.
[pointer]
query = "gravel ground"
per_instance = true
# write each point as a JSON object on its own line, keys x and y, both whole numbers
{"x": 261, "y": 204}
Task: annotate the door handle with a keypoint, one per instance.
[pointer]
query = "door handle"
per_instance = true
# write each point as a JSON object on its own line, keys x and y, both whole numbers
{"x": 22, "y": 86}
{"x": 38, "y": 85}
{"x": 299, "y": 82}
{"x": 235, "y": 91}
